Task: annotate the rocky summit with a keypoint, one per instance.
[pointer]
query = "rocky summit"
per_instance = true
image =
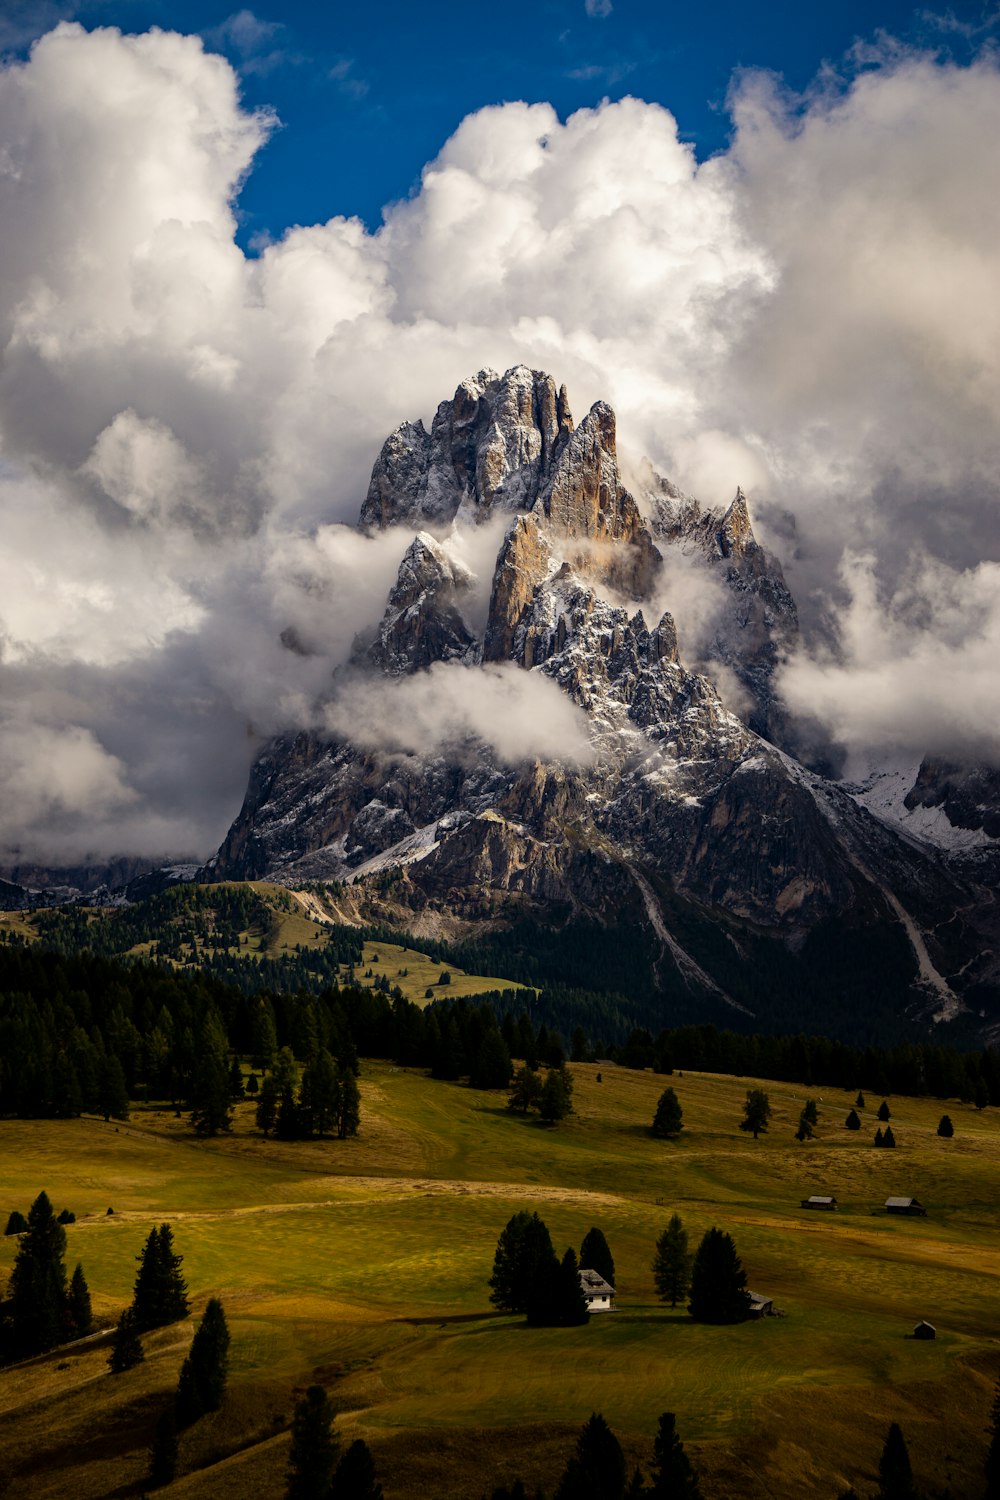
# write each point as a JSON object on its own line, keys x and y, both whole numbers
{"x": 681, "y": 829}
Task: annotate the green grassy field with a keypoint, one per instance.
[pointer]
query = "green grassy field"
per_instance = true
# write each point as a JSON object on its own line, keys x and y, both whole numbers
{"x": 364, "y": 1264}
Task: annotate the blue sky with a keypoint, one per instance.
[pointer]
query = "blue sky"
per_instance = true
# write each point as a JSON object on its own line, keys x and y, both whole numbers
{"x": 367, "y": 93}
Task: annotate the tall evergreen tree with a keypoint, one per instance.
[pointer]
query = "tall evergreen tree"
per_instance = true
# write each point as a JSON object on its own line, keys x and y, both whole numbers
{"x": 596, "y": 1471}
{"x": 80, "y": 1316}
{"x": 348, "y": 1104}
{"x": 160, "y": 1292}
{"x": 883, "y": 1111}
{"x": 718, "y": 1281}
{"x": 525, "y": 1090}
{"x": 672, "y": 1263}
{"x": 895, "y": 1476}
{"x": 236, "y": 1089}
{"x": 112, "y": 1095}
{"x": 568, "y": 1307}
{"x": 669, "y": 1118}
{"x": 355, "y": 1477}
{"x": 36, "y": 1307}
{"x": 524, "y": 1255}
{"x": 319, "y": 1093}
{"x": 853, "y": 1121}
{"x": 595, "y": 1255}
{"x": 17, "y": 1223}
{"x": 163, "y": 1453}
{"x": 314, "y": 1448}
{"x": 267, "y": 1104}
{"x": 945, "y": 1128}
{"x": 211, "y": 1098}
{"x": 491, "y": 1066}
{"x": 556, "y": 1099}
{"x": 205, "y": 1370}
{"x": 756, "y": 1112}
{"x": 805, "y": 1130}
{"x": 126, "y": 1345}
{"x": 673, "y": 1476}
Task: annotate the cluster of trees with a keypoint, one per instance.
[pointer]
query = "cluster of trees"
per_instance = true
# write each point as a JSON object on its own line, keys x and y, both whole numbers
{"x": 326, "y": 1101}
{"x": 159, "y": 1297}
{"x": 42, "y": 1310}
{"x": 596, "y": 1469}
{"x": 319, "y": 1469}
{"x": 528, "y": 1277}
{"x": 553, "y": 1098}
{"x": 714, "y": 1277}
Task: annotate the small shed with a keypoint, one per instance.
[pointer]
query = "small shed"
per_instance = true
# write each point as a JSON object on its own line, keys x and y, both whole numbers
{"x": 761, "y": 1307}
{"x": 818, "y": 1201}
{"x": 600, "y": 1294}
{"x": 925, "y": 1331}
{"x": 904, "y": 1206}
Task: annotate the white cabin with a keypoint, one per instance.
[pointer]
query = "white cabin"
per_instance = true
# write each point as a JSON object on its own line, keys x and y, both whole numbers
{"x": 600, "y": 1294}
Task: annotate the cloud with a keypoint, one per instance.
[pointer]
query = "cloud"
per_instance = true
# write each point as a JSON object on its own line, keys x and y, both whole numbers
{"x": 186, "y": 432}
{"x": 521, "y": 716}
{"x": 598, "y": 9}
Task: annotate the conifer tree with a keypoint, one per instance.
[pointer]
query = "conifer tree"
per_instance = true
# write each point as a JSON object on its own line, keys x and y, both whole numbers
{"x": 160, "y": 1292}
{"x": 78, "y": 1309}
{"x": 883, "y": 1111}
{"x": 211, "y": 1098}
{"x": 718, "y": 1281}
{"x": 895, "y": 1476}
{"x": 888, "y": 1140}
{"x": 568, "y": 1307}
{"x": 595, "y": 1255}
{"x": 319, "y": 1094}
{"x": 556, "y": 1099}
{"x": 348, "y": 1104}
{"x": 597, "y": 1467}
{"x": 805, "y": 1130}
{"x": 491, "y": 1067}
{"x": 287, "y": 1120}
{"x": 859, "y": 1102}
{"x": 236, "y": 1089}
{"x": 355, "y": 1475}
{"x": 163, "y": 1453}
{"x": 853, "y": 1121}
{"x": 669, "y": 1118}
{"x": 36, "y": 1307}
{"x": 523, "y": 1258}
{"x": 17, "y": 1223}
{"x": 756, "y": 1112}
{"x": 314, "y": 1448}
{"x": 878, "y": 1141}
{"x": 945, "y": 1127}
{"x": 672, "y": 1262}
{"x": 267, "y": 1104}
{"x": 205, "y": 1370}
{"x": 525, "y": 1090}
{"x": 126, "y": 1345}
{"x": 112, "y": 1095}
{"x": 673, "y": 1476}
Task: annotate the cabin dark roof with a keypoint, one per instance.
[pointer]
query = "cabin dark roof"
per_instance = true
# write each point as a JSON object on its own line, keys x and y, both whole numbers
{"x": 594, "y": 1284}
{"x": 818, "y": 1200}
{"x": 902, "y": 1203}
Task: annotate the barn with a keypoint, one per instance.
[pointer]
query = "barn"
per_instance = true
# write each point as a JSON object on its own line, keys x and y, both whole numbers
{"x": 600, "y": 1294}
{"x": 817, "y": 1201}
{"x": 925, "y": 1330}
{"x": 904, "y": 1206}
{"x": 761, "y": 1307}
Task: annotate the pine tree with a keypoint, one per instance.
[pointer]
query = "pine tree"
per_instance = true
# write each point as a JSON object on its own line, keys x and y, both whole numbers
{"x": 805, "y": 1130}
{"x": 568, "y": 1307}
{"x": 17, "y": 1223}
{"x": 314, "y": 1448}
{"x": 78, "y": 1310}
{"x": 348, "y": 1106}
{"x": 945, "y": 1127}
{"x": 992, "y": 1465}
{"x": 596, "y": 1470}
{"x": 319, "y": 1096}
{"x": 288, "y": 1119}
{"x": 556, "y": 1100}
{"x": 163, "y": 1453}
{"x": 236, "y": 1089}
{"x": 112, "y": 1095}
{"x": 160, "y": 1293}
{"x": 525, "y": 1090}
{"x": 888, "y": 1139}
{"x": 491, "y": 1067}
{"x": 211, "y": 1099}
{"x": 205, "y": 1370}
{"x": 267, "y": 1104}
{"x": 355, "y": 1475}
{"x": 524, "y": 1257}
{"x": 853, "y": 1121}
{"x": 673, "y": 1476}
{"x": 669, "y": 1117}
{"x": 672, "y": 1263}
{"x": 756, "y": 1112}
{"x": 895, "y": 1476}
{"x": 859, "y": 1102}
{"x": 126, "y": 1345}
{"x": 36, "y": 1307}
{"x": 811, "y": 1112}
{"x": 718, "y": 1281}
{"x": 878, "y": 1141}
{"x": 883, "y": 1111}
{"x": 595, "y": 1255}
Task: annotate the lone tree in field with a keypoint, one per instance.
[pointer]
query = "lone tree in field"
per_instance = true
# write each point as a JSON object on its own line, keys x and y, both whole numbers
{"x": 597, "y": 1467}
{"x": 205, "y": 1371}
{"x": 895, "y": 1476}
{"x": 126, "y": 1345}
{"x": 525, "y": 1090}
{"x": 524, "y": 1256}
{"x": 669, "y": 1118}
{"x": 672, "y": 1263}
{"x": 945, "y": 1127}
{"x": 883, "y": 1111}
{"x": 355, "y": 1476}
{"x": 756, "y": 1112}
{"x": 992, "y": 1465}
{"x": 314, "y": 1450}
{"x": 36, "y": 1305}
{"x": 673, "y": 1476}
{"x": 556, "y": 1099}
{"x": 853, "y": 1121}
{"x": 805, "y": 1130}
{"x": 160, "y": 1293}
{"x": 718, "y": 1281}
{"x": 595, "y": 1255}
{"x": 859, "y": 1102}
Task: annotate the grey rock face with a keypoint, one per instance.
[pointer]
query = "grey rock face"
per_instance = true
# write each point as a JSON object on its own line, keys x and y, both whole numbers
{"x": 422, "y": 621}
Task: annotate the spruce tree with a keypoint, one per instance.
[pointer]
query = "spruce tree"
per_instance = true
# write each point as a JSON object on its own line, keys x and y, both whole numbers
{"x": 319, "y": 1094}
{"x": 853, "y": 1121}
{"x": 556, "y": 1099}
{"x": 160, "y": 1292}
{"x": 878, "y": 1140}
{"x": 205, "y": 1370}
{"x": 756, "y": 1112}
{"x": 163, "y": 1453}
{"x": 888, "y": 1140}
{"x": 859, "y": 1102}
{"x": 236, "y": 1089}
{"x": 672, "y": 1262}
{"x": 210, "y": 1098}
{"x": 36, "y": 1306}
{"x": 525, "y": 1090}
{"x": 314, "y": 1448}
{"x": 883, "y": 1111}
{"x": 348, "y": 1104}
{"x": 596, "y": 1470}
{"x": 17, "y": 1223}
{"x": 355, "y": 1475}
{"x": 126, "y": 1345}
{"x": 805, "y": 1130}
{"x": 78, "y": 1310}
{"x": 267, "y": 1104}
{"x": 669, "y": 1118}
{"x": 595, "y": 1255}
{"x": 895, "y": 1476}
{"x": 673, "y": 1476}
{"x": 523, "y": 1258}
{"x": 945, "y": 1127}
{"x": 288, "y": 1119}
{"x": 718, "y": 1281}
{"x": 491, "y": 1067}
{"x": 112, "y": 1095}
{"x": 568, "y": 1308}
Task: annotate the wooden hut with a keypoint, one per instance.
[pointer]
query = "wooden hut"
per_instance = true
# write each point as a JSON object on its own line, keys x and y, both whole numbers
{"x": 818, "y": 1201}
{"x": 904, "y": 1206}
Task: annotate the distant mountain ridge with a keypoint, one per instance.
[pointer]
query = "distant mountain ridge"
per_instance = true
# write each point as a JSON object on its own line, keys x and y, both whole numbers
{"x": 681, "y": 820}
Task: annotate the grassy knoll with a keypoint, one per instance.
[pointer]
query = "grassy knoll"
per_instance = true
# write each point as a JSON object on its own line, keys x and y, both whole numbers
{"x": 414, "y": 973}
{"x": 364, "y": 1264}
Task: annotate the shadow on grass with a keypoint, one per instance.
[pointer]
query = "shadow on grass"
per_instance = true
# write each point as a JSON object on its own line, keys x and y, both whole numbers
{"x": 442, "y": 1322}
